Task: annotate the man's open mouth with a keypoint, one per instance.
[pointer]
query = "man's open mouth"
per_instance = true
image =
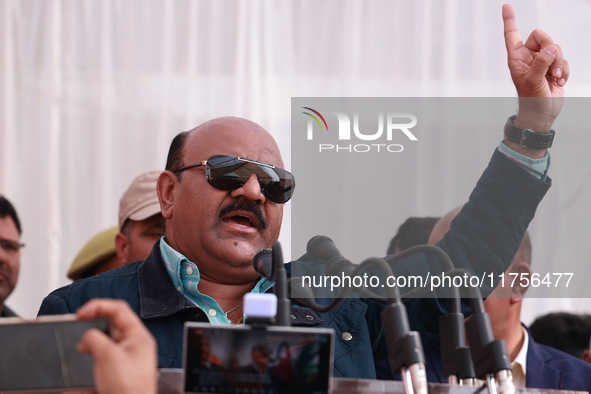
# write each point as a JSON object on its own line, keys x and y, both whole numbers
{"x": 243, "y": 214}
{"x": 242, "y": 219}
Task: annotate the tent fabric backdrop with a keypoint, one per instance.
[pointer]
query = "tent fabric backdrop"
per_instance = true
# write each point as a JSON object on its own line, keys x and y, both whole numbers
{"x": 93, "y": 92}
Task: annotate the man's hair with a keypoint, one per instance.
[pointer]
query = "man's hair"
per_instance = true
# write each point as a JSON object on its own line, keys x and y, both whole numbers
{"x": 174, "y": 161}
{"x": 564, "y": 331}
{"x": 127, "y": 228}
{"x": 6, "y": 209}
{"x": 414, "y": 231}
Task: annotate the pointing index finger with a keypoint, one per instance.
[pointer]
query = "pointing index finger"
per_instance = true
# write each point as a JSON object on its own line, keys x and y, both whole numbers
{"x": 512, "y": 38}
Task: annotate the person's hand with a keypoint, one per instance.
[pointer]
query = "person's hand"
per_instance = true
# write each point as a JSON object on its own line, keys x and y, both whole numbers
{"x": 125, "y": 362}
{"x": 539, "y": 72}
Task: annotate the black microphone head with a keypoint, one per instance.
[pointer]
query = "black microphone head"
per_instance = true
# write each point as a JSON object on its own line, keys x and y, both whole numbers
{"x": 322, "y": 247}
{"x": 299, "y": 290}
{"x": 263, "y": 263}
{"x": 339, "y": 265}
{"x": 277, "y": 254}
{"x": 301, "y": 294}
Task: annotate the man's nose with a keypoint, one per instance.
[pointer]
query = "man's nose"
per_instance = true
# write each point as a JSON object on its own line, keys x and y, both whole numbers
{"x": 251, "y": 190}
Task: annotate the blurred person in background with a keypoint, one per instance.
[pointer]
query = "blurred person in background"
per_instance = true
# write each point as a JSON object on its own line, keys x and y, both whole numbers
{"x": 10, "y": 253}
{"x": 414, "y": 231}
{"x": 140, "y": 220}
{"x": 564, "y": 331}
{"x": 533, "y": 365}
{"x": 140, "y": 226}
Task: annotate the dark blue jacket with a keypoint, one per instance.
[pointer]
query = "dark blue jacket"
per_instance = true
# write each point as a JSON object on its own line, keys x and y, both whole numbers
{"x": 546, "y": 368}
{"x": 483, "y": 238}
{"x": 549, "y": 368}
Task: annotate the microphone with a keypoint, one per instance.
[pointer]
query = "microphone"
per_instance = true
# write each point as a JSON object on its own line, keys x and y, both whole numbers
{"x": 269, "y": 264}
{"x": 283, "y": 302}
{"x": 405, "y": 349}
{"x": 263, "y": 263}
{"x": 456, "y": 361}
{"x": 490, "y": 356}
{"x": 324, "y": 248}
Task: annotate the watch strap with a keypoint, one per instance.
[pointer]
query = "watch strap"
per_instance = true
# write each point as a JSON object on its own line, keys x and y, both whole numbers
{"x": 527, "y": 138}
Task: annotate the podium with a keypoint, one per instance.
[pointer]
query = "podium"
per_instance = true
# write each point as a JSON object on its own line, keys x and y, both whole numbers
{"x": 171, "y": 381}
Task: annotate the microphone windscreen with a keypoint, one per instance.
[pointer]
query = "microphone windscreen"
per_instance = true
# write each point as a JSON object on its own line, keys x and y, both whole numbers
{"x": 263, "y": 263}
{"x": 322, "y": 247}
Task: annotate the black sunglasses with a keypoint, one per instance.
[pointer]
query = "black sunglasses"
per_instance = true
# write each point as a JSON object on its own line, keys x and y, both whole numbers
{"x": 230, "y": 173}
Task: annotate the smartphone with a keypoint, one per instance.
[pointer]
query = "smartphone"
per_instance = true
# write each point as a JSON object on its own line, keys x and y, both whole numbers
{"x": 40, "y": 355}
{"x": 240, "y": 359}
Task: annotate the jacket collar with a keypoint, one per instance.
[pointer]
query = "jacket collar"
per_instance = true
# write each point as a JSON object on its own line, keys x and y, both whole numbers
{"x": 158, "y": 296}
{"x": 538, "y": 372}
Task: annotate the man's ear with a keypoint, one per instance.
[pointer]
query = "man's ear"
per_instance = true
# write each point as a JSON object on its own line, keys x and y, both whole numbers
{"x": 586, "y": 356}
{"x": 167, "y": 182}
{"x": 122, "y": 247}
{"x": 522, "y": 281}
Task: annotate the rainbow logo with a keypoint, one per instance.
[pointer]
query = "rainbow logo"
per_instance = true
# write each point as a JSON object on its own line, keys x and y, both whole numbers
{"x": 315, "y": 118}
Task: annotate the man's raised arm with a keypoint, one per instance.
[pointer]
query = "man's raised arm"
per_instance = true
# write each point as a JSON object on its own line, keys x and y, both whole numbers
{"x": 539, "y": 72}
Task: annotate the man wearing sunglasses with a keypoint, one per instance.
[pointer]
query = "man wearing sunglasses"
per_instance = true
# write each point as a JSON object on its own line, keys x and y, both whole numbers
{"x": 222, "y": 197}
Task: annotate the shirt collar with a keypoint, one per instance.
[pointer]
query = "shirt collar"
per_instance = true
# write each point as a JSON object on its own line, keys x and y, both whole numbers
{"x": 185, "y": 277}
{"x": 518, "y": 366}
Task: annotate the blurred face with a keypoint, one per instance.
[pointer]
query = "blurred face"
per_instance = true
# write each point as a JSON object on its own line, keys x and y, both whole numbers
{"x": 141, "y": 236}
{"x": 9, "y": 257}
{"x": 107, "y": 265}
{"x": 261, "y": 355}
{"x": 218, "y": 230}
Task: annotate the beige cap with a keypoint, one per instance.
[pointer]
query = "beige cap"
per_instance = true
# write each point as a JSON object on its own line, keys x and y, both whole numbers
{"x": 140, "y": 200}
{"x": 97, "y": 249}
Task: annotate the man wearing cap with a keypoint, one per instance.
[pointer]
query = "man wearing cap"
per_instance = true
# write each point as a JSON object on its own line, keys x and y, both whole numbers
{"x": 96, "y": 256}
{"x": 140, "y": 220}
{"x": 140, "y": 226}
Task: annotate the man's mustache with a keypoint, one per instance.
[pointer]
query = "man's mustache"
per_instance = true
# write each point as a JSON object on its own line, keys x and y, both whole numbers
{"x": 243, "y": 205}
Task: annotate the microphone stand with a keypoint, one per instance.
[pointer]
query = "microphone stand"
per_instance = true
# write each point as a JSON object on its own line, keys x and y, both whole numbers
{"x": 490, "y": 356}
{"x": 405, "y": 349}
{"x": 268, "y": 263}
{"x": 283, "y": 302}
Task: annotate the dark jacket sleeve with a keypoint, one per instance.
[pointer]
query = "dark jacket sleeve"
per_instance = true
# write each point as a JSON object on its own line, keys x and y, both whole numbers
{"x": 483, "y": 237}
{"x": 486, "y": 234}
